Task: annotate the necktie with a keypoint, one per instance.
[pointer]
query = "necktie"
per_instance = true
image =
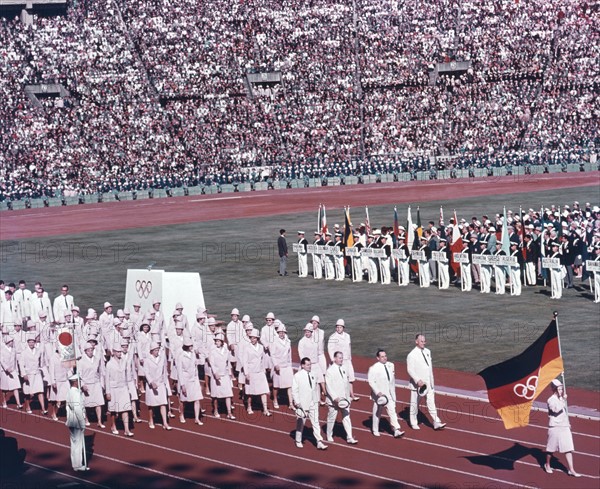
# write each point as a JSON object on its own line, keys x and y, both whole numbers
{"x": 42, "y": 304}
{"x": 387, "y": 372}
{"x": 341, "y": 373}
{"x": 66, "y": 305}
{"x": 424, "y": 357}
{"x": 309, "y": 379}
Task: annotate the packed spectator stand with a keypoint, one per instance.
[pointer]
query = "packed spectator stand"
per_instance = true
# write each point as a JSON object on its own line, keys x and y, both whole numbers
{"x": 157, "y": 96}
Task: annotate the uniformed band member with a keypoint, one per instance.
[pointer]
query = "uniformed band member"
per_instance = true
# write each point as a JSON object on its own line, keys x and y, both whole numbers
{"x": 384, "y": 262}
{"x": 317, "y": 259}
{"x": 372, "y": 262}
{"x": 443, "y": 265}
{"x": 302, "y": 256}
{"x": 597, "y": 276}
{"x": 466, "y": 281}
{"x": 515, "y": 270}
{"x": 556, "y": 274}
{"x": 328, "y": 259}
{"x": 485, "y": 270}
{"x": 499, "y": 271}
{"x": 424, "y": 272}
{"x": 357, "y": 269}
{"x": 338, "y": 258}
{"x": 403, "y": 263}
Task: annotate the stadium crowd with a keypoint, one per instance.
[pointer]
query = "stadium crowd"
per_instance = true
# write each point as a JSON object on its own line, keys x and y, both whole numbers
{"x": 158, "y": 98}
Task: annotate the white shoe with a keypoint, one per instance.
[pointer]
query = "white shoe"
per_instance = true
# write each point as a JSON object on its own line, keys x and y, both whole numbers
{"x": 439, "y": 426}
{"x": 351, "y": 441}
{"x": 573, "y": 473}
{"x": 330, "y": 439}
{"x": 547, "y": 469}
{"x": 415, "y": 426}
{"x": 321, "y": 446}
{"x": 398, "y": 433}
{"x": 376, "y": 433}
{"x": 299, "y": 444}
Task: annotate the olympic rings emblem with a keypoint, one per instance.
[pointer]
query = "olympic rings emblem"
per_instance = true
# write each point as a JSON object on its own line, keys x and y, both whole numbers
{"x": 528, "y": 389}
{"x": 143, "y": 288}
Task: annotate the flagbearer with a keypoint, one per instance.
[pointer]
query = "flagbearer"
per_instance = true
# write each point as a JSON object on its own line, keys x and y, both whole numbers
{"x": 559, "y": 429}
{"x": 76, "y": 424}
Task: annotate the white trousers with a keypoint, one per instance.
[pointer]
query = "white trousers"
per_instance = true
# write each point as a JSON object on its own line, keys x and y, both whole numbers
{"x": 424, "y": 277}
{"x": 384, "y": 266}
{"x": 340, "y": 273}
{"x": 515, "y": 281}
{"x": 329, "y": 269}
{"x": 530, "y": 273}
{"x": 317, "y": 266}
{"x": 596, "y": 286}
{"x": 357, "y": 273}
{"x": 372, "y": 270}
{"x": 313, "y": 415}
{"x": 556, "y": 282}
{"x": 465, "y": 277}
{"x": 414, "y": 406}
{"x": 500, "y": 280}
{"x": 77, "y": 436}
{"x": 391, "y": 410}
{"x": 302, "y": 265}
{"x": 346, "y": 423}
{"x": 443, "y": 275}
{"x": 403, "y": 272}
{"x": 485, "y": 272}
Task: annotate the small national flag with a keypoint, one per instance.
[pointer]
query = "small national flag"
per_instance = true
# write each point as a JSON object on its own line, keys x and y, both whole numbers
{"x": 319, "y": 218}
{"x": 410, "y": 234}
{"x": 66, "y": 344}
{"x": 456, "y": 245}
{"x": 348, "y": 236}
{"x": 523, "y": 247}
{"x": 396, "y": 228}
{"x": 323, "y": 220}
{"x": 367, "y": 222}
{"x": 504, "y": 238}
{"x": 514, "y": 384}
{"x": 419, "y": 226}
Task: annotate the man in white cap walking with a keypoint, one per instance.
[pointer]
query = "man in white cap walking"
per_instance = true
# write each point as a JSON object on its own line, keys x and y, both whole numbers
{"x": 305, "y": 394}
{"x": 338, "y": 397}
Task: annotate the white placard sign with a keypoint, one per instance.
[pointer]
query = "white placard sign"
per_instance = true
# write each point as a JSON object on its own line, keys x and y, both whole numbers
{"x": 439, "y": 256}
{"x": 592, "y": 265}
{"x": 298, "y": 248}
{"x": 417, "y": 255}
{"x": 480, "y": 259}
{"x": 461, "y": 258}
{"x": 311, "y": 248}
{"x": 352, "y": 252}
{"x": 399, "y": 254}
{"x": 551, "y": 263}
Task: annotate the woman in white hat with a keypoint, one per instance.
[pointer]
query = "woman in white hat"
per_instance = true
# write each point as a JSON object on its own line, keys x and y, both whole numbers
{"x": 157, "y": 385}
{"x": 91, "y": 371}
{"x": 58, "y": 380}
{"x": 188, "y": 381}
{"x": 9, "y": 373}
{"x": 144, "y": 339}
{"x": 254, "y": 371}
{"x": 283, "y": 374}
{"x": 221, "y": 386}
{"x": 30, "y": 365}
{"x": 206, "y": 346}
{"x": 117, "y": 391}
{"x": 560, "y": 438}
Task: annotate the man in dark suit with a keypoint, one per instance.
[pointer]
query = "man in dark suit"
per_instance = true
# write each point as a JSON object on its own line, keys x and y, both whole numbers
{"x": 283, "y": 252}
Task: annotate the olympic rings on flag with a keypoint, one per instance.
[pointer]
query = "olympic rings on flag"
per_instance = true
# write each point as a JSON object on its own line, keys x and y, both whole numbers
{"x": 527, "y": 390}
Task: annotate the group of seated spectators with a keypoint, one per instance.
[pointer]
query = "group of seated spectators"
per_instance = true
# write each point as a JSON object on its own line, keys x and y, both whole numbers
{"x": 158, "y": 96}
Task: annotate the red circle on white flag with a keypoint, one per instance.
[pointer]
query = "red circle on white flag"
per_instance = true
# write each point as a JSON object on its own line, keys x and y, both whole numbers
{"x": 65, "y": 338}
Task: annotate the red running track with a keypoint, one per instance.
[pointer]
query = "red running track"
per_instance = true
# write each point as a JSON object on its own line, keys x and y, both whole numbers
{"x": 55, "y": 221}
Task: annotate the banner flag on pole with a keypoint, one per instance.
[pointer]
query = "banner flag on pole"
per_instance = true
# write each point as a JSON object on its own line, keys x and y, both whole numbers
{"x": 456, "y": 246}
{"x": 367, "y": 222}
{"x": 514, "y": 384}
{"x": 348, "y": 236}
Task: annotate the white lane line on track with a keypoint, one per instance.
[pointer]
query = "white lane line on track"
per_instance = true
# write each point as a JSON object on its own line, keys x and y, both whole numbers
{"x": 220, "y": 462}
{"x": 96, "y": 454}
{"x": 64, "y": 474}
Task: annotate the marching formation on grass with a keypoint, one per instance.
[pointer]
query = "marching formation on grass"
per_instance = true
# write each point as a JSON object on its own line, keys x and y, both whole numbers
{"x": 548, "y": 246}
{"x": 144, "y": 95}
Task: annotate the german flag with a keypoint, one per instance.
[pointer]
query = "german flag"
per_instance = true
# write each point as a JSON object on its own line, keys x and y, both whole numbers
{"x": 513, "y": 385}
{"x": 348, "y": 236}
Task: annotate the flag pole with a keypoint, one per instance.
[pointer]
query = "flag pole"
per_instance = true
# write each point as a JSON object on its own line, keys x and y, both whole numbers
{"x": 555, "y": 314}
{"x": 522, "y": 245}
